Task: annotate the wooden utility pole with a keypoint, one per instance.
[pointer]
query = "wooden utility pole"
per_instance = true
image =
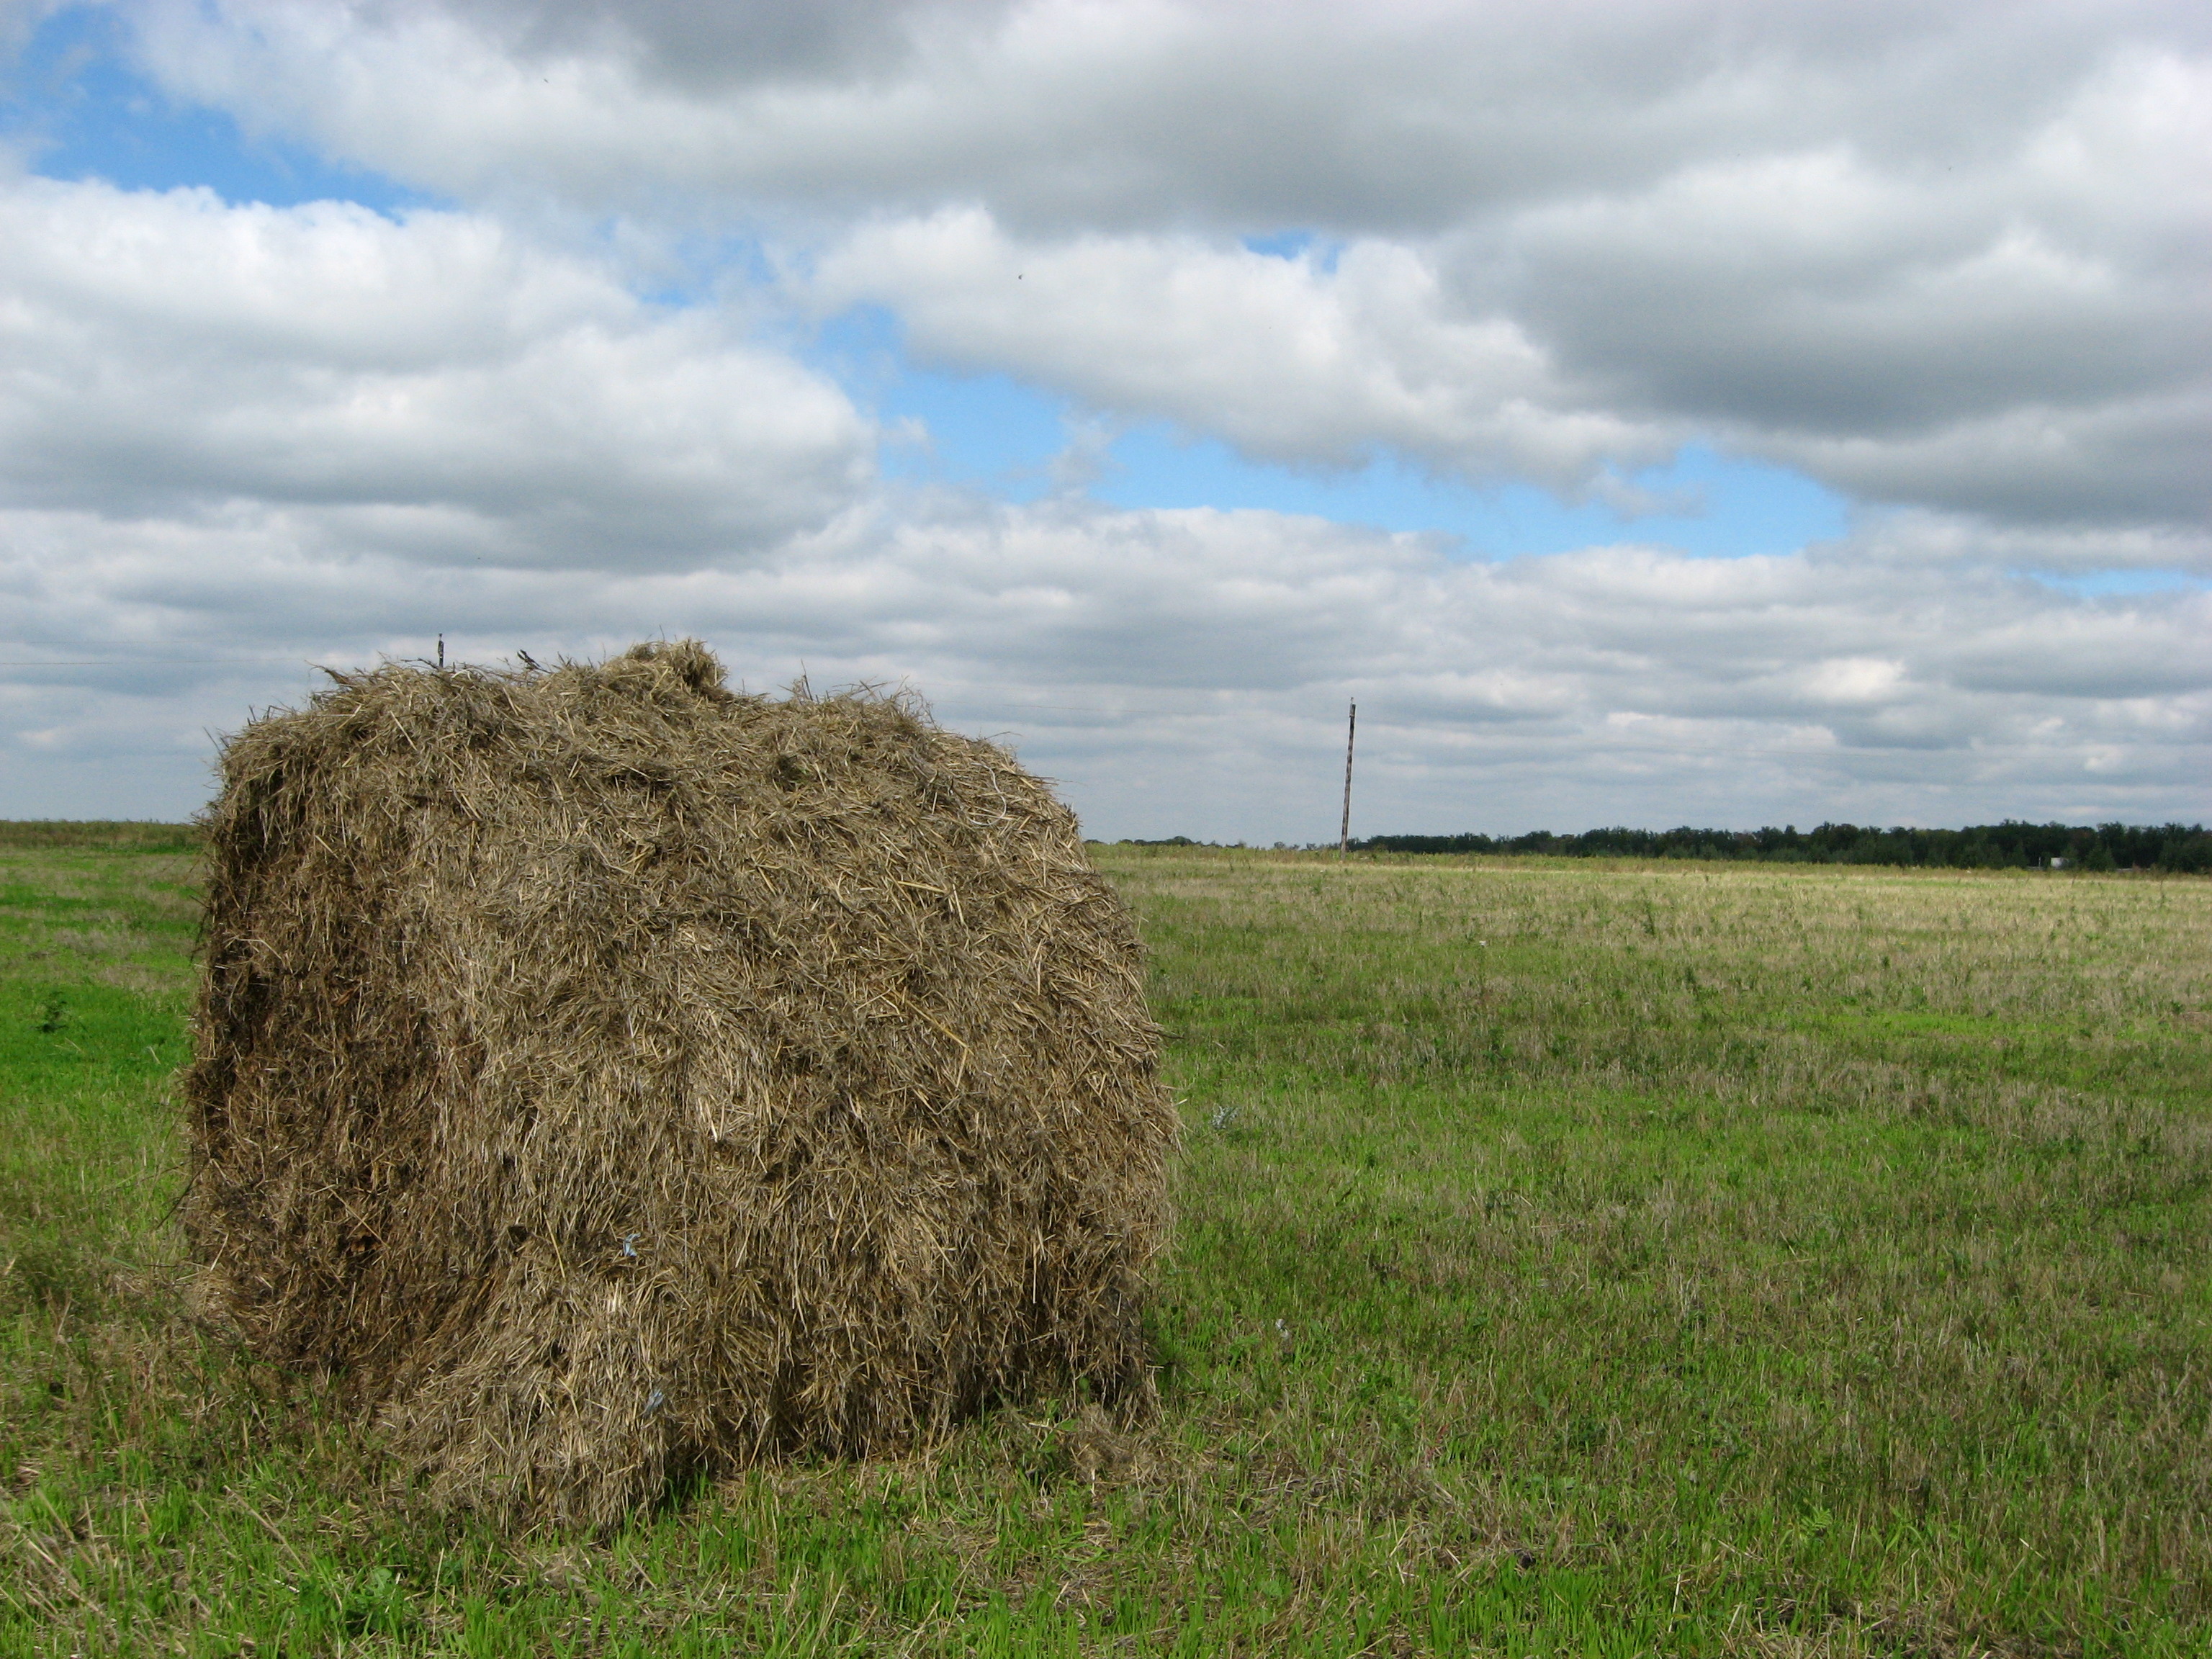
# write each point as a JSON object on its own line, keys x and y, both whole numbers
{"x": 1351, "y": 731}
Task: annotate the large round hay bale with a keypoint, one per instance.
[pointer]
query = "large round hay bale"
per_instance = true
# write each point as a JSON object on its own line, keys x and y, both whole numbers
{"x": 603, "y": 1075}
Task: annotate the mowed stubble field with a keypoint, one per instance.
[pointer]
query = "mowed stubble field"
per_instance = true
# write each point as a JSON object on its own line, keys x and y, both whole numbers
{"x": 1575, "y": 1257}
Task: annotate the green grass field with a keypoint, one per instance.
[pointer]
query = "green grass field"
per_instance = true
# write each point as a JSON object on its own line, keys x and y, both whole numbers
{"x": 1574, "y": 1258}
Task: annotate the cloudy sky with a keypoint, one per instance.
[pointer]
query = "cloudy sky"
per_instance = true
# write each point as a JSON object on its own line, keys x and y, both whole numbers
{"x": 1720, "y": 413}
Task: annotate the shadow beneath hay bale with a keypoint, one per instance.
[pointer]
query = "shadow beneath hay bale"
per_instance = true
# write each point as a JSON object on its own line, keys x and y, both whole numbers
{"x": 611, "y": 1078}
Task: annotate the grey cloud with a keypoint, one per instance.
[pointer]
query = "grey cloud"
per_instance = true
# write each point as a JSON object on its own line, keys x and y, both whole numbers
{"x": 1357, "y": 120}
{"x": 2137, "y": 647}
{"x": 1714, "y": 311}
{"x": 2133, "y": 463}
{"x": 700, "y": 49}
{"x": 1905, "y": 539}
{"x": 2027, "y": 407}
{"x": 1187, "y": 671}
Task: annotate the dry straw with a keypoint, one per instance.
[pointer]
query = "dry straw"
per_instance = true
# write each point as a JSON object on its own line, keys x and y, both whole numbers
{"x": 605, "y": 1076}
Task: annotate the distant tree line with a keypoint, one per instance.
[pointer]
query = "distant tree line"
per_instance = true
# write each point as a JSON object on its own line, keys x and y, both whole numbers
{"x": 2010, "y": 845}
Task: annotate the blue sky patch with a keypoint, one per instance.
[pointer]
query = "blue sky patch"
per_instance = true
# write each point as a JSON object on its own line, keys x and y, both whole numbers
{"x": 75, "y": 107}
{"x": 989, "y": 432}
{"x": 1295, "y": 245}
{"x": 2101, "y": 583}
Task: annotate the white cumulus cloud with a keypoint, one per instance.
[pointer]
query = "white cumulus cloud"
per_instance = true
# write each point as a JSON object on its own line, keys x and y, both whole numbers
{"x": 433, "y": 386}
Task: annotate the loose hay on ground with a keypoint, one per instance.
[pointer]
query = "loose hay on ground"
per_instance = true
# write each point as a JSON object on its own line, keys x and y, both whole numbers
{"x": 605, "y": 1075}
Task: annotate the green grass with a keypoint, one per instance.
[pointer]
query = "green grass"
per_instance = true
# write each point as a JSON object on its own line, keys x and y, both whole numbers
{"x": 1575, "y": 1257}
